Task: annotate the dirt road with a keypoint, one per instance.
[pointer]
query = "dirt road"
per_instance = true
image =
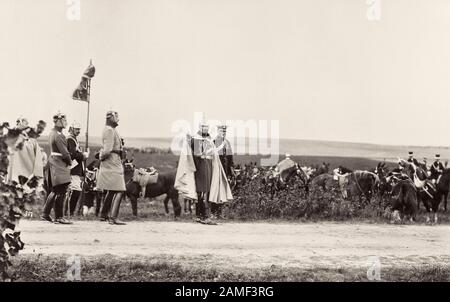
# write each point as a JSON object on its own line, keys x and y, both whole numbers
{"x": 246, "y": 244}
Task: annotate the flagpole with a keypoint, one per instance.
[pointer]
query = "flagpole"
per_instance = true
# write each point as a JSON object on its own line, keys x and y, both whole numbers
{"x": 88, "y": 98}
{"x": 88, "y": 108}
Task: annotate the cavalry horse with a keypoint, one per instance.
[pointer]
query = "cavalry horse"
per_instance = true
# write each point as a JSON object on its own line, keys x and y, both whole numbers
{"x": 358, "y": 183}
{"x": 164, "y": 185}
{"x": 386, "y": 182}
{"x": 276, "y": 181}
{"x": 404, "y": 200}
{"x": 428, "y": 193}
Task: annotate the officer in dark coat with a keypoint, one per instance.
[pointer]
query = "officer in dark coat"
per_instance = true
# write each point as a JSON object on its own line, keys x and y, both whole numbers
{"x": 77, "y": 171}
{"x": 436, "y": 168}
{"x": 226, "y": 159}
{"x": 411, "y": 159}
{"x": 202, "y": 148}
{"x": 59, "y": 178}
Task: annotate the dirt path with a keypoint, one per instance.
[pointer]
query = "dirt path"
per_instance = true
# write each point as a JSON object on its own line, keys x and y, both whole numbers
{"x": 246, "y": 244}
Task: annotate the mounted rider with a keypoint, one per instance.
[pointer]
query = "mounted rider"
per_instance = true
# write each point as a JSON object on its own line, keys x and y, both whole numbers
{"x": 436, "y": 169}
{"x": 411, "y": 159}
{"x": 283, "y": 165}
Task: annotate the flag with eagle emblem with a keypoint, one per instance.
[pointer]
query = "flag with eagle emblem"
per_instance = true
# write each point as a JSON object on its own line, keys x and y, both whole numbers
{"x": 81, "y": 92}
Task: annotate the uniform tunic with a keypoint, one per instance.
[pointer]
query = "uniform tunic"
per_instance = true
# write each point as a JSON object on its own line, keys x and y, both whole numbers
{"x": 202, "y": 153}
{"x": 225, "y": 154}
{"x": 59, "y": 160}
{"x": 111, "y": 172}
{"x": 436, "y": 169}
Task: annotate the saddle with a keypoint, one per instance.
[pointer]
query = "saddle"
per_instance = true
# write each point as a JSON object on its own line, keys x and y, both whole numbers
{"x": 145, "y": 176}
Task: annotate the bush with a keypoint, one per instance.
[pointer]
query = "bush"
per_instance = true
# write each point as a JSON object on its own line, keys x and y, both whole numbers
{"x": 253, "y": 201}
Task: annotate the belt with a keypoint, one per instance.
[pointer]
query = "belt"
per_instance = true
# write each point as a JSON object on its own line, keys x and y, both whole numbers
{"x": 206, "y": 156}
{"x": 55, "y": 154}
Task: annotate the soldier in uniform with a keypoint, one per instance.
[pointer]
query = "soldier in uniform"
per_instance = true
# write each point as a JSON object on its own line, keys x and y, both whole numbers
{"x": 226, "y": 159}
{"x": 436, "y": 169}
{"x": 202, "y": 152}
{"x": 111, "y": 172}
{"x": 59, "y": 164}
{"x": 77, "y": 172}
{"x": 411, "y": 159}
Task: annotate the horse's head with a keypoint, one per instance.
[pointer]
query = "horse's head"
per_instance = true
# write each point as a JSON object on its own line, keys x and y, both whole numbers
{"x": 128, "y": 168}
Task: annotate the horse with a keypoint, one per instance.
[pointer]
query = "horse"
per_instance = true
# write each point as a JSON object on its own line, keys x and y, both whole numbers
{"x": 164, "y": 185}
{"x": 325, "y": 181}
{"x": 433, "y": 196}
{"x": 404, "y": 200}
{"x": 275, "y": 181}
{"x": 385, "y": 185}
{"x": 324, "y": 168}
{"x": 357, "y": 183}
{"x": 442, "y": 185}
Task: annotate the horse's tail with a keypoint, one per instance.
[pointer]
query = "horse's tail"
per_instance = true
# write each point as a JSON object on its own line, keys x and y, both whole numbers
{"x": 376, "y": 182}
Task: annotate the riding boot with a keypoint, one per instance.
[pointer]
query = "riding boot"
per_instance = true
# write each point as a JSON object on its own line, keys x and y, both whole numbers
{"x": 59, "y": 205}
{"x": 74, "y": 196}
{"x": 200, "y": 206}
{"x": 115, "y": 209}
{"x": 67, "y": 202}
{"x": 207, "y": 204}
{"x": 99, "y": 200}
{"x": 107, "y": 201}
{"x": 48, "y": 206}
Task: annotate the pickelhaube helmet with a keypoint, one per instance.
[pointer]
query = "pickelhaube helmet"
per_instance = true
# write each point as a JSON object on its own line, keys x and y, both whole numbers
{"x": 59, "y": 116}
{"x": 111, "y": 113}
{"x": 22, "y": 123}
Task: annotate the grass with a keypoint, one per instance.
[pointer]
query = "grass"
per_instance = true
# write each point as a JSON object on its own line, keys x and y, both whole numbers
{"x": 53, "y": 268}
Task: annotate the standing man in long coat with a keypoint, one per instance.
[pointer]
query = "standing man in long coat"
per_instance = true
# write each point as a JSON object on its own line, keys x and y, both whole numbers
{"x": 26, "y": 163}
{"x": 226, "y": 159}
{"x": 202, "y": 152}
{"x": 59, "y": 164}
{"x": 111, "y": 173}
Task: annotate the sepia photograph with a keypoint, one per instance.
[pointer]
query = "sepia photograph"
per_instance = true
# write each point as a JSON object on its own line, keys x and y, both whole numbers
{"x": 209, "y": 144}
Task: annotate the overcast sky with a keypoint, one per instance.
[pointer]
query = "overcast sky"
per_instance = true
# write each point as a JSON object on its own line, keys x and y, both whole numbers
{"x": 320, "y": 67}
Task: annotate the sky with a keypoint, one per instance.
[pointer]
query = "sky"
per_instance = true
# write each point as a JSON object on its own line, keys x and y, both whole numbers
{"x": 320, "y": 68}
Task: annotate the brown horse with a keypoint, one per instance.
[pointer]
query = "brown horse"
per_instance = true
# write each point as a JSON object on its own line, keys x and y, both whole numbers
{"x": 276, "y": 181}
{"x": 164, "y": 185}
{"x": 325, "y": 181}
{"x": 404, "y": 200}
{"x": 359, "y": 183}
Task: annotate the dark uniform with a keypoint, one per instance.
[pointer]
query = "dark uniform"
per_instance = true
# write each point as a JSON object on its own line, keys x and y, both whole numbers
{"x": 59, "y": 178}
{"x": 202, "y": 152}
{"x": 77, "y": 172}
{"x": 436, "y": 170}
{"x": 225, "y": 155}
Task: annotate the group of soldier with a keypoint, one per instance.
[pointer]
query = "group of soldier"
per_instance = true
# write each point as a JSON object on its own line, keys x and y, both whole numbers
{"x": 433, "y": 171}
{"x": 206, "y": 180}
{"x": 63, "y": 171}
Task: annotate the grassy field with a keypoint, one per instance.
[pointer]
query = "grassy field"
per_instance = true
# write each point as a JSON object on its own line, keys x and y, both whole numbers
{"x": 166, "y": 268}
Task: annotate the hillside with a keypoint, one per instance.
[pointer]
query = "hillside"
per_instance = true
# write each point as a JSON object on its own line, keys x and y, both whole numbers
{"x": 309, "y": 148}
